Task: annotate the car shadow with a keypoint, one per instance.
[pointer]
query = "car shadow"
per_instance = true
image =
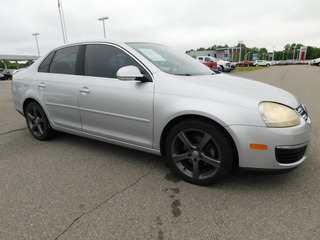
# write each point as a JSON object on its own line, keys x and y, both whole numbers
{"x": 240, "y": 179}
{"x": 122, "y": 153}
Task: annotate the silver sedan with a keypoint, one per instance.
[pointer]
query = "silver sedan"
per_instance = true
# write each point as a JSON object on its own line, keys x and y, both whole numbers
{"x": 148, "y": 97}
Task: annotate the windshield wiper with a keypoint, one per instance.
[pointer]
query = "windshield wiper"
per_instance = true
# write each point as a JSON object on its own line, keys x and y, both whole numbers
{"x": 186, "y": 74}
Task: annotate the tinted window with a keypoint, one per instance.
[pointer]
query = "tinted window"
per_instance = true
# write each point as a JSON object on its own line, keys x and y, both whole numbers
{"x": 64, "y": 61}
{"x": 105, "y": 61}
{"x": 44, "y": 67}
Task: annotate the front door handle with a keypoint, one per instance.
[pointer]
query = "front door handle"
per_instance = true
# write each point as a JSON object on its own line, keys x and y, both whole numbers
{"x": 41, "y": 85}
{"x": 84, "y": 90}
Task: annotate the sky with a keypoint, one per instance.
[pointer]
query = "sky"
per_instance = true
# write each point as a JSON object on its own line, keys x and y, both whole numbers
{"x": 181, "y": 24}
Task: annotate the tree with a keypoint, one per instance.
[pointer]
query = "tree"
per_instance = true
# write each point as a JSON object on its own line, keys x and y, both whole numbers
{"x": 290, "y": 51}
{"x": 214, "y": 47}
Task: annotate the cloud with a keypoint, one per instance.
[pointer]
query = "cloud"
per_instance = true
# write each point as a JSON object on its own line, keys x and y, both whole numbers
{"x": 183, "y": 24}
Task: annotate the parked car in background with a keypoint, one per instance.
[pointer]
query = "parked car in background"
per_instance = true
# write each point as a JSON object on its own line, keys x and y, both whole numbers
{"x": 262, "y": 63}
{"x": 281, "y": 63}
{"x": 209, "y": 62}
{"x": 244, "y": 64}
{"x": 152, "y": 98}
{"x": 222, "y": 65}
{"x": 2, "y": 77}
{"x": 225, "y": 65}
{"x": 8, "y": 73}
{"x": 315, "y": 62}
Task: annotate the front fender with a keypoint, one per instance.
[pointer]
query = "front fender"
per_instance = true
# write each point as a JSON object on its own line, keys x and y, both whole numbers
{"x": 168, "y": 108}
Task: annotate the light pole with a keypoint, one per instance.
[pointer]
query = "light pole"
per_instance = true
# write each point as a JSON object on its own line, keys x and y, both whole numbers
{"x": 273, "y": 53}
{"x": 104, "y": 28}
{"x": 294, "y": 51}
{"x": 232, "y": 53}
{"x": 36, "y": 34}
{"x": 240, "y": 51}
{"x": 63, "y": 23}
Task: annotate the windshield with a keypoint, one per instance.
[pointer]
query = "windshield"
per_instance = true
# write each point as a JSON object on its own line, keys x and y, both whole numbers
{"x": 169, "y": 61}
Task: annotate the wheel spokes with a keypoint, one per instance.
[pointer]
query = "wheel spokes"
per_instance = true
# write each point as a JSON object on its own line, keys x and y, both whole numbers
{"x": 33, "y": 127}
{"x": 32, "y": 118}
{"x": 211, "y": 161}
{"x": 41, "y": 120}
{"x": 40, "y": 129}
{"x": 34, "y": 110}
{"x": 35, "y": 121}
{"x": 196, "y": 154}
{"x": 180, "y": 157}
{"x": 185, "y": 140}
{"x": 206, "y": 138}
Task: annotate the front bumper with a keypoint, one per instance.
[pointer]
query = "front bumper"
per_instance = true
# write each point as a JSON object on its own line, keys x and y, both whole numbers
{"x": 227, "y": 68}
{"x": 291, "y": 144}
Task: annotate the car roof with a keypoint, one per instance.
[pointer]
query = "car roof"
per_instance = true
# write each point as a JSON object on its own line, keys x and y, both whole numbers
{"x": 92, "y": 41}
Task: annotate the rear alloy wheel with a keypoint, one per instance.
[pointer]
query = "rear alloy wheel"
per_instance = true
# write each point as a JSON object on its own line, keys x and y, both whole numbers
{"x": 37, "y": 122}
{"x": 199, "y": 152}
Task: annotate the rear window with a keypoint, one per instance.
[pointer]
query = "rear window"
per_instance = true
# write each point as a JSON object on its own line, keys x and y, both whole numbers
{"x": 44, "y": 67}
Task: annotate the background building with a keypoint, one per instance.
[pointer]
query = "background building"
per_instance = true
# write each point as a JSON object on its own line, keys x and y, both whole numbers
{"x": 221, "y": 53}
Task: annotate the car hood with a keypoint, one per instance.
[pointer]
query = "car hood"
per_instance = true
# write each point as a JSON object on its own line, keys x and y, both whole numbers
{"x": 227, "y": 89}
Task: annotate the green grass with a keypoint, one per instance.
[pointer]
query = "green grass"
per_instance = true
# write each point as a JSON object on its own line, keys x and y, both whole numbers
{"x": 242, "y": 69}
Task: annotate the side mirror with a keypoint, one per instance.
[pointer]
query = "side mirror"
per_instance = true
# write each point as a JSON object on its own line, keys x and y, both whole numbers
{"x": 129, "y": 73}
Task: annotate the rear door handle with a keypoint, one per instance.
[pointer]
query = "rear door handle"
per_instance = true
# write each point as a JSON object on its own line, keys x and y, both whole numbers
{"x": 41, "y": 85}
{"x": 84, "y": 90}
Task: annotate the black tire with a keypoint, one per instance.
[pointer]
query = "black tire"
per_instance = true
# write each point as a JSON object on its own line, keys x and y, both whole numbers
{"x": 199, "y": 152}
{"x": 37, "y": 122}
{"x": 222, "y": 68}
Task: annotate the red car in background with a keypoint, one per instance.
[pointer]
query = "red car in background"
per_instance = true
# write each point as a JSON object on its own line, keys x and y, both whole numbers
{"x": 208, "y": 61}
{"x": 7, "y": 74}
{"x": 245, "y": 64}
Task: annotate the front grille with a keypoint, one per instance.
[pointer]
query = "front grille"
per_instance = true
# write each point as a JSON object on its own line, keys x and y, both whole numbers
{"x": 288, "y": 155}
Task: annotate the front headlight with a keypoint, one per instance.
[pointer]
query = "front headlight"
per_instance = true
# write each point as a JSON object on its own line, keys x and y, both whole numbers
{"x": 277, "y": 115}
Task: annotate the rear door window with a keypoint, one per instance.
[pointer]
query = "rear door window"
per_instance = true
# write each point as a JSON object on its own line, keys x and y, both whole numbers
{"x": 64, "y": 61}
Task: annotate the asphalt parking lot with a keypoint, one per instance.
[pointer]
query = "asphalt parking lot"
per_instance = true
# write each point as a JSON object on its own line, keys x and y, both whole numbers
{"x": 76, "y": 188}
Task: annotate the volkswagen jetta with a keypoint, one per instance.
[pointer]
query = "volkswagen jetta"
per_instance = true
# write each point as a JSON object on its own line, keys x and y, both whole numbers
{"x": 149, "y": 97}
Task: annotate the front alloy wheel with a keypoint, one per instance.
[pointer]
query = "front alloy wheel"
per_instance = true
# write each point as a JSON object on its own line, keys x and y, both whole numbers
{"x": 199, "y": 152}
